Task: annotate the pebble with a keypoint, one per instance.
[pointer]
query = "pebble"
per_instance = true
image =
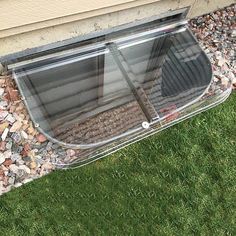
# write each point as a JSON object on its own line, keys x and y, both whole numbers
{"x": 25, "y": 168}
{"x": 3, "y": 126}
{"x": 70, "y": 152}
{"x": 7, "y": 162}
{"x": 2, "y": 158}
{"x": 2, "y": 145}
{"x": 30, "y": 130}
{"x": 27, "y": 159}
{"x": 41, "y": 138}
{"x": 13, "y": 94}
{"x": 15, "y": 157}
{"x": 4, "y": 134}
{"x": 8, "y": 153}
{"x": 13, "y": 168}
{"x": 24, "y": 134}
{"x": 3, "y": 115}
{"x": 9, "y": 145}
{"x": 33, "y": 165}
{"x": 47, "y": 166}
{"x": 3, "y": 104}
{"x": 221, "y": 61}
{"x": 20, "y": 162}
{"x": 16, "y": 126}
{"x": 224, "y": 81}
{"x": 10, "y": 118}
{"x": 20, "y": 175}
{"x": 11, "y": 180}
{"x": 17, "y": 148}
{"x": 49, "y": 146}
{"x": 17, "y": 185}
{"x": 16, "y": 137}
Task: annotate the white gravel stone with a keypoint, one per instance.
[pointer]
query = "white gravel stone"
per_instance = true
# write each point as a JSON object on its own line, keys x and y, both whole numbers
{"x": 224, "y": 81}
{"x": 13, "y": 168}
{"x": 4, "y": 134}
{"x": 25, "y": 168}
{"x": 2, "y": 158}
{"x": 3, "y": 104}
{"x": 8, "y": 153}
{"x": 17, "y": 185}
{"x": 3, "y": 115}
{"x": 10, "y": 118}
{"x": 24, "y": 134}
{"x": 20, "y": 162}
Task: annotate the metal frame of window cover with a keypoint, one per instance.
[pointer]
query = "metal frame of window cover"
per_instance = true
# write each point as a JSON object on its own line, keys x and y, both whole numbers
{"x": 153, "y": 126}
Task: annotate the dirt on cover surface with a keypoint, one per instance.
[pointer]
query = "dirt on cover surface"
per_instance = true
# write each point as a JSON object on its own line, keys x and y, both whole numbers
{"x": 26, "y": 154}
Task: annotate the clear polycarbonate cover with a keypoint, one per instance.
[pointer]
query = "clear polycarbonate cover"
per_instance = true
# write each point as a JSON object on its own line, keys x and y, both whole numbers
{"x": 102, "y": 92}
{"x": 109, "y": 92}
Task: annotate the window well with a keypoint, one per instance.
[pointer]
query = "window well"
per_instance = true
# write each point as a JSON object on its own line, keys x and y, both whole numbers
{"x": 103, "y": 93}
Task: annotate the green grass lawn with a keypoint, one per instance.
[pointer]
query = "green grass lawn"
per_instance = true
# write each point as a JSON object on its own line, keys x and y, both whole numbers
{"x": 181, "y": 181}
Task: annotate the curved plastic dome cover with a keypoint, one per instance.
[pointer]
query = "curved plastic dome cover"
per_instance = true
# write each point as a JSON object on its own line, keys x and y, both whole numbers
{"x": 107, "y": 90}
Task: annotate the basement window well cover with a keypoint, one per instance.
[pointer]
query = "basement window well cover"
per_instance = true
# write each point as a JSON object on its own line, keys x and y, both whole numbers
{"x": 119, "y": 87}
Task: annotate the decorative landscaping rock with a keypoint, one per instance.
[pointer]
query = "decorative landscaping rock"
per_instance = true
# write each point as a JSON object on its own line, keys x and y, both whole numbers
{"x": 2, "y": 158}
{"x": 3, "y": 115}
{"x": 3, "y": 126}
{"x": 41, "y": 138}
{"x": 4, "y": 134}
{"x": 2, "y": 146}
{"x": 16, "y": 126}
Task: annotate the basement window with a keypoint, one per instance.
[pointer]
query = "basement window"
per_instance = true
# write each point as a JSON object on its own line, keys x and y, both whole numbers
{"x": 117, "y": 88}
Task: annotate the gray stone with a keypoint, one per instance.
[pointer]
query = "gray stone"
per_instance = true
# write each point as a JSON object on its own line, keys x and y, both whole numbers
{"x": 9, "y": 145}
{"x": 49, "y": 146}
{"x": 11, "y": 180}
{"x": 15, "y": 157}
{"x": 16, "y": 137}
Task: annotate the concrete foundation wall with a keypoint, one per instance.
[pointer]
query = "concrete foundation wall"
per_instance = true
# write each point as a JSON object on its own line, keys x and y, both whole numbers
{"x": 40, "y": 26}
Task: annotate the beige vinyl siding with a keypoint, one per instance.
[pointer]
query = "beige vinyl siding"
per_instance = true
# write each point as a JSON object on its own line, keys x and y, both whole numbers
{"x": 27, "y": 15}
{"x": 31, "y": 23}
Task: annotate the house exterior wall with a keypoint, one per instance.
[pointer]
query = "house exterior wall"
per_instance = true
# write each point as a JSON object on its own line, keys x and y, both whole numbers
{"x": 28, "y": 23}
